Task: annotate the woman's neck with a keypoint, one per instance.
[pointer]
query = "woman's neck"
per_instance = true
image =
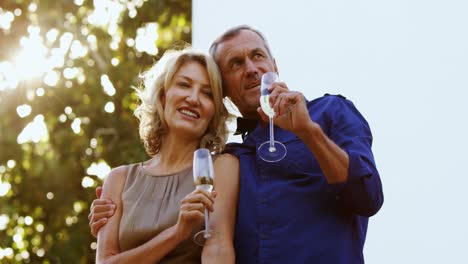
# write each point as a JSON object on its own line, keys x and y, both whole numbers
{"x": 176, "y": 154}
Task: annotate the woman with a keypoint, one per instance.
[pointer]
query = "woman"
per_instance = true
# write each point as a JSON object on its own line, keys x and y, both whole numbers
{"x": 157, "y": 207}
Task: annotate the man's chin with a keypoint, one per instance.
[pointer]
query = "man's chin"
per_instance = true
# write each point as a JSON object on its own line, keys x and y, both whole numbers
{"x": 251, "y": 112}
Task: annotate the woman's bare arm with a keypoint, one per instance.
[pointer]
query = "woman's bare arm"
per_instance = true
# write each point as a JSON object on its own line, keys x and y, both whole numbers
{"x": 108, "y": 250}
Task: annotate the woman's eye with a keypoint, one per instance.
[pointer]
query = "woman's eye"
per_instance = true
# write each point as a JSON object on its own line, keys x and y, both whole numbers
{"x": 183, "y": 84}
{"x": 208, "y": 93}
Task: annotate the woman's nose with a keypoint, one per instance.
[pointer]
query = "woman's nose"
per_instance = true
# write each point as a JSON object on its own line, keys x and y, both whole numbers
{"x": 193, "y": 98}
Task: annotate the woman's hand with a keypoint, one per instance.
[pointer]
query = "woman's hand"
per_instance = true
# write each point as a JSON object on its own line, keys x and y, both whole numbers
{"x": 192, "y": 212}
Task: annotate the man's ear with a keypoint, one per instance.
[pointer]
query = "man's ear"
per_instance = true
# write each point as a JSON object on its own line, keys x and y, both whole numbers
{"x": 276, "y": 67}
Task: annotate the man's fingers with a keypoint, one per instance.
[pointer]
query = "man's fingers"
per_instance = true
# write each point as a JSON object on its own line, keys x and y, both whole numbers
{"x": 99, "y": 216}
{"x": 98, "y": 192}
{"x": 262, "y": 114}
{"x": 278, "y": 86}
{"x": 283, "y": 86}
{"x": 98, "y": 210}
{"x": 285, "y": 101}
{"x": 276, "y": 89}
{"x": 97, "y": 225}
{"x": 100, "y": 202}
{"x": 103, "y": 208}
{"x": 278, "y": 106}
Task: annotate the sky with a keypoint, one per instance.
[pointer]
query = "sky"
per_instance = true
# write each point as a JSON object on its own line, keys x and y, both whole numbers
{"x": 404, "y": 64}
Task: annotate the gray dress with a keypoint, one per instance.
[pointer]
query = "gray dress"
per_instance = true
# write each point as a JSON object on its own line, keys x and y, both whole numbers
{"x": 151, "y": 204}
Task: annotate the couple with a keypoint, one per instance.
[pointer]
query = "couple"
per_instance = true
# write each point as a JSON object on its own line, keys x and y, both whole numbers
{"x": 311, "y": 207}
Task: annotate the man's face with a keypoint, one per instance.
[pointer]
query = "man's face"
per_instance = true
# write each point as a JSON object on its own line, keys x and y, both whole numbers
{"x": 242, "y": 60}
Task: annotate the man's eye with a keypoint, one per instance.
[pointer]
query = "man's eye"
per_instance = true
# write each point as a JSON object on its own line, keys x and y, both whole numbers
{"x": 258, "y": 55}
{"x": 235, "y": 65}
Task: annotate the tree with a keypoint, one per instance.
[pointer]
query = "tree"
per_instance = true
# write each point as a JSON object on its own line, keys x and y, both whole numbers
{"x": 66, "y": 112}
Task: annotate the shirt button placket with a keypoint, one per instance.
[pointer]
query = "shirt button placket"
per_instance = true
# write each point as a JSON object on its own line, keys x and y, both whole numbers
{"x": 262, "y": 205}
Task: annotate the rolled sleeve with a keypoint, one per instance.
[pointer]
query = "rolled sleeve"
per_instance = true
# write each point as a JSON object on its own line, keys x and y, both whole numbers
{"x": 362, "y": 193}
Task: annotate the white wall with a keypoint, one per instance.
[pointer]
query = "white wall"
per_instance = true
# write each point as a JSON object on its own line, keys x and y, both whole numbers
{"x": 404, "y": 63}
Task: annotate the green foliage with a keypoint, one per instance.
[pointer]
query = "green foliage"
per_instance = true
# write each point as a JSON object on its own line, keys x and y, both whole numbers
{"x": 43, "y": 214}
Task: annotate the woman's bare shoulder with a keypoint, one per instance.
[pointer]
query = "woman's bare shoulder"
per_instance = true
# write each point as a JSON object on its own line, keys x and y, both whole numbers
{"x": 114, "y": 182}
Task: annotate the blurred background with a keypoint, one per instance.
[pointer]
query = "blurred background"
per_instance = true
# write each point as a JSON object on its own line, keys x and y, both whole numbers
{"x": 66, "y": 103}
{"x": 66, "y": 112}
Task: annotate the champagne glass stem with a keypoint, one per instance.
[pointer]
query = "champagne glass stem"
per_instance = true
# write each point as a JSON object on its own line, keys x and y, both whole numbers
{"x": 207, "y": 227}
{"x": 272, "y": 138}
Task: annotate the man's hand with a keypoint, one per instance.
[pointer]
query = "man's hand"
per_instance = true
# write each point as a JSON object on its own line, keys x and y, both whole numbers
{"x": 100, "y": 211}
{"x": 290, "y": 109}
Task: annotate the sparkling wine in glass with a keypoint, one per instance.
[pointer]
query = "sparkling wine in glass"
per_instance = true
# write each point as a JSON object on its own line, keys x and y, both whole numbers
{"x": 269, "y": 151}
{"x": 203, "y": 176}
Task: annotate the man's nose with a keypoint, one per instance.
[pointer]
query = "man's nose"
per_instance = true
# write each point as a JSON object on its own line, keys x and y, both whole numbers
{"x": 250, "y": 67}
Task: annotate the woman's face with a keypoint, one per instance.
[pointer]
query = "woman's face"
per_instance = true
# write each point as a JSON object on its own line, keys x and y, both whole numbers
{"x": 188, "y": 102}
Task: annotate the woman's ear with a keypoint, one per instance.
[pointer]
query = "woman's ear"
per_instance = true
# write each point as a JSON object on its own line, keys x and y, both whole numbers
{"x": 163, "y": 98}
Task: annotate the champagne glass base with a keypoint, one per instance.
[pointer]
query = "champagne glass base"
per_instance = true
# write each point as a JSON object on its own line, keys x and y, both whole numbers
{"x": 272, "y": 153}
{"x": 203, "y": 237}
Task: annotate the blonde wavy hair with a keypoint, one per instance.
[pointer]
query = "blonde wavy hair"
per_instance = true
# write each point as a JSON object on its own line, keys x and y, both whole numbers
{"x": 157, "y": 80}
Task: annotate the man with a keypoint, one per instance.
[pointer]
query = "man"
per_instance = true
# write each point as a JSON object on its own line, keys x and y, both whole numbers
{"x": 312, "y": 206}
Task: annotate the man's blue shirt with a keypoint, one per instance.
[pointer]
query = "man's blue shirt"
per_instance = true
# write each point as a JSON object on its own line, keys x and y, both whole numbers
{"x": 288, "y": 213}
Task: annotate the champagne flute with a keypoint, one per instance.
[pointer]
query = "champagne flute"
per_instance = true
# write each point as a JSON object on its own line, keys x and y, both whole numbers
{"x": 269, "y": 151}
{"x": 203, "y": 176}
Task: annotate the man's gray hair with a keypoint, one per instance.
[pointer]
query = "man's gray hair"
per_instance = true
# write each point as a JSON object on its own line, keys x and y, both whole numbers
{"x": 232, "y": 32}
